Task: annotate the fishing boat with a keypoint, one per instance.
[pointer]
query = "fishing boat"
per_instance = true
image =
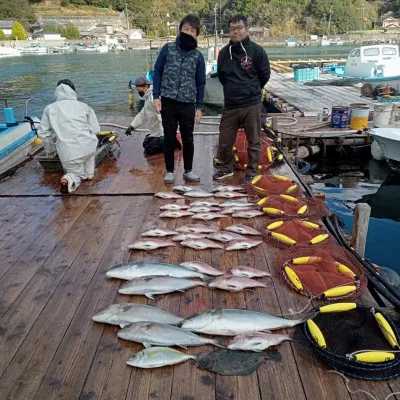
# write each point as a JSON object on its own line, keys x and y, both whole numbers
{"x": 291, "y": 42}
{"x": 37, "y": 48}
{"x": 336, "y": 41}
{"x": 9, "y": 52}
{"x": 389, "y": 143}
{"x": 17, "y": 140}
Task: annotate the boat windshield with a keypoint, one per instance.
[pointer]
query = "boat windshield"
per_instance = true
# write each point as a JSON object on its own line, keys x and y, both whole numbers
{"x": 373, "y": 51}
{"x": 389, "y": 51}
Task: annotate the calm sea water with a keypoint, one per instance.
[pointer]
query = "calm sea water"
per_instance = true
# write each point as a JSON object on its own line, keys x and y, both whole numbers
{"x": 102, "y": 81}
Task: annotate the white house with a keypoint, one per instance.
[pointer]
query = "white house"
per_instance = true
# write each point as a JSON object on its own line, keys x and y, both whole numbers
{"x": 47, "y": 35}
{"x": 135, "y": 34}
{"x": 6, "y": 27}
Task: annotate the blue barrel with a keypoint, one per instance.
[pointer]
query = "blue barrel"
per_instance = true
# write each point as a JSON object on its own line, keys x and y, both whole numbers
{"x": 339, "y": 117}
{"x": 9, "y": 116}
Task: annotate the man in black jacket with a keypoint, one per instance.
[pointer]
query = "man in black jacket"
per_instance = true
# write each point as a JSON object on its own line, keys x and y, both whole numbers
{"x": 243, "y": 70}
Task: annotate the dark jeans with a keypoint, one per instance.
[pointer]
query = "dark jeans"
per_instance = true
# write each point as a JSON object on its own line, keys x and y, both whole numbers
{"x": 174, "y": 113}
{"x": 248, "y": 118}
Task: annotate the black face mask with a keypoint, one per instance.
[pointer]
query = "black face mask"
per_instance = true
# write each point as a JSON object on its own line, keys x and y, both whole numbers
{"x": 140, "y": 93}
{"x": 187, "y": 42}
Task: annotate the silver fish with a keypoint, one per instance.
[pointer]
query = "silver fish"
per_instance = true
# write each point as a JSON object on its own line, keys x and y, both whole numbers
{"x": 232, "y": 322}
{"x": 225, "y": 237}
{"x": 247, "y": 214}
{"x": 203, "y": 209}
{"x": 152, "y": 285}
{"x": 208, "y": 216}
{"x": 174, "y": 207}
{"x": 168, "y": 195}
{"x": 234, "y": 283}
{"x": 154, "y": 334}
{"x": 156, "y": 357}
{"x": 229, "y": 195}
{"x": 148, "y": 268}
{"x": 231, "y": 210}
{"x": 228, "y": 188}
{"x": 159, "y": 232}
{"x": 149, "y": 244}
{"x": 203, "y": 268}
{"x": 201, "y": 244}
{"x": 236, "y": 203}
{"x": 257, "y": 341}
{"x": 243, "y": 244}
{"x": 242, "y": 229}
{"x": 248, "y": 272}
{"x": 175, "y": 214}
{"x": 204, "y": 203}
{"x": 198, "y": 193}
{"x": 187, "y": 236}
{"x": 184, "y": 188}
{"x": 127, "y": 313}
{"x": 197, "y": 228}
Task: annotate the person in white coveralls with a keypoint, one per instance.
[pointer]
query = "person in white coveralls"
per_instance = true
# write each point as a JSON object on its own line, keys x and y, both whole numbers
{"x": 69, "y": 128}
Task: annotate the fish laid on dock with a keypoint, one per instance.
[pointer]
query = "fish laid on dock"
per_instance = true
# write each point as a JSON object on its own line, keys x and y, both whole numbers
{"x": 184, "y": 188}
{"x": 208, "y": 216}
{"x": 197, "y": 228}
{"x": 155, "y": 334}
{"x": 176, "y": 214}
{"x": 198, "y": 193}
{"x": 174, "y": 207}
{"x": 203, "y": 209}
{"x": 243, "y": 230}
{"x": 236, "y": 203}
{"x": 128, "y": 313}
{"x": 187, "y": 236}
{"x": 228, "y": 188}
{"x": 168, "y": 195}
{"x": 150, "y": 244}
{"x": 247, "y": 214}
{"x": 201, "y": 244}
{"x": 257, "y": 341}
{"x": 225, "y": 237}
{"x": 232, "y": 322}
{"x": 242, "y": 244}
{"x": 234, "y": 283}
{"x": 156, "y": 357}
{"x": 205, "y": 203}
{"x": 201, "y": 267}
{"x": 232, "y": 210}
{"x": 229, "y": 195}
{"x": 137, "y": 269}
{"x": 159, "y": 232}
{"x": 248, "y": 272}
{"x": 153, "y": 285}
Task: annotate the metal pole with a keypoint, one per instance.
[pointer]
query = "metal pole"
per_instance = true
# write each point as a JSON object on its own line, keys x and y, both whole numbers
{"x": 216, "y": 32}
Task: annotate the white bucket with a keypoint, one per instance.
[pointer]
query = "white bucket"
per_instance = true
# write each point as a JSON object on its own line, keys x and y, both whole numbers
{"x": 382, "y": 113}
{"x": 395, "y": 115}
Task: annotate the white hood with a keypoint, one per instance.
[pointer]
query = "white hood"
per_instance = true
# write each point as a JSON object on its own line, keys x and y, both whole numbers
{"x": 64, "y": 92}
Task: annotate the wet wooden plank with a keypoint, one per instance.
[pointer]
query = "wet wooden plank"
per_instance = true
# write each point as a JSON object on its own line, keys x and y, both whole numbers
{"x": 16, "y": 324}
{"x": 59, "y": 217}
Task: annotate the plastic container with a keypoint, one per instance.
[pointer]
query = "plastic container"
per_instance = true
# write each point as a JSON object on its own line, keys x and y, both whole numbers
{"x": 359, "y": 118}
{"x": 339, "y": 116}
{"x": 395, "y": 115}
{"x": 382, "y": 114}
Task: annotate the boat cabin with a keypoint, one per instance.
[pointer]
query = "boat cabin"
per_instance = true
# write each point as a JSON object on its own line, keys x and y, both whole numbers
{"x": 373, "y": 61}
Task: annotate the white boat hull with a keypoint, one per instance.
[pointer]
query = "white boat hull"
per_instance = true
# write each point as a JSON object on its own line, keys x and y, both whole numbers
{"x": 389, "y": 142}
{"x": 16, "y": 143}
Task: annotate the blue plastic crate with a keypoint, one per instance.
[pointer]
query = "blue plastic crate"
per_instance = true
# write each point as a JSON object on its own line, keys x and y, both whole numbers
{"x": 306, "y": 74}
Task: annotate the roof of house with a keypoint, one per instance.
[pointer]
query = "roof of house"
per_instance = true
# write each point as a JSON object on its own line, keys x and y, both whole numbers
{"x": 47, "y": 21}
{"x": 6, "y": 24}
{"x": 390, "y": 19}
{"x": 42, "y": 33}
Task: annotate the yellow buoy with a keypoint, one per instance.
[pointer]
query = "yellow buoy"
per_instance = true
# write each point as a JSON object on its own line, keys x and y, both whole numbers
{"x": 279, "y": 140}
{"x": 345, "y": 270}
{"x": 309, "y": 224}
{"x": 245, "y": 165}
{"x": 274, "y": 225}
{"x": 262, "y": 201}
{"x": 269, "y": 154}
{"x": 112, "y": 138}
{"x": 306, "y": 260}
{"x": 302, "y": 209}
{"x": 259, "y": 167}
{"x": 236, "y": 158}
{"x": 289, "y": 198}
{"x": 281, "y": 178}
{"x": 37, "y": 141}
{"x": 260, "y": 189}
{"x": 340, "y": 291}
{"x": 291, "y": 188}
{"x": 273, "y": 211}
{"x": 374, "y": 356}
{"x": 316, "y": 333}
{"x": 234, "y": 148}
{"x": 386, "y": 329}
{"x": 283, "y": 238}
{"x": 337, "y": 307}
{"x": 319, "y": 238}
{"x": 293, "y": 278}
{"x": 131, "y": 99}
{"x": 256, "y": 179}
{"x": 280, "y": 157}
{"x": 105, "y": 133}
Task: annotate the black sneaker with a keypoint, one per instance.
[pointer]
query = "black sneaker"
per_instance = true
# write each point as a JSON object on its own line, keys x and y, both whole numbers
{"x": 249, "y": 178}
{"x": 221, "y": 175}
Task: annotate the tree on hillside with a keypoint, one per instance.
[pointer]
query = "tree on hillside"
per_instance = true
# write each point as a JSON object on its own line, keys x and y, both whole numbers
{"x": 2, "y": 35}
{"x": 17, "y": 9}
{"x": 18, "y": 32}
{"x": 71, "y": 32}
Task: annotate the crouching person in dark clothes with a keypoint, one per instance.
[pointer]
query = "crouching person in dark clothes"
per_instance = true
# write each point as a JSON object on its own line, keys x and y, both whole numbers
{"x": 179, "y": 79}
{"x": 243, "y": 70}
{"x": 153, "y": 143}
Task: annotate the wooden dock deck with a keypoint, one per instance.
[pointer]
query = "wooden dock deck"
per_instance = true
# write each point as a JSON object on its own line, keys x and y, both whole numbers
{"x": 54, "y": 254}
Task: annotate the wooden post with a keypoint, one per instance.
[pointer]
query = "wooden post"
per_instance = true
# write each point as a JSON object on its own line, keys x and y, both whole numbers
{"x": 360, "y": 228}
{"x": 274, "y": 124}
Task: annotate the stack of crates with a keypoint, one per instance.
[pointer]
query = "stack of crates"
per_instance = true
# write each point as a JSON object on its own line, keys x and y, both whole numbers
{"x": 306, "y": 74}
